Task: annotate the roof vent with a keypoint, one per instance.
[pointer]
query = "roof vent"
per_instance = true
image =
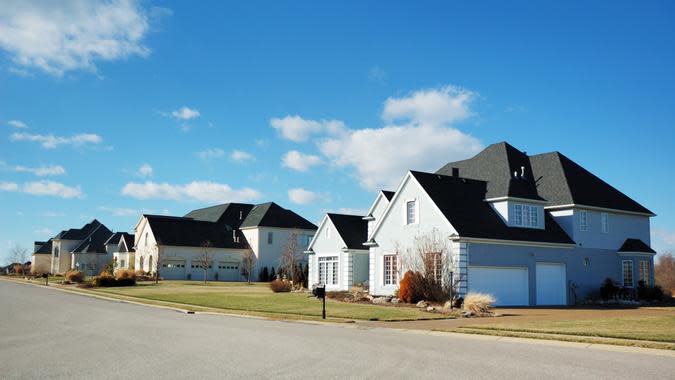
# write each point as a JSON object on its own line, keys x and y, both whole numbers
{"x": 241, "y": 215}
{"x": 515, "y": 174}
{"x": 455, "y": 172}
{"x": 522, "y": 172}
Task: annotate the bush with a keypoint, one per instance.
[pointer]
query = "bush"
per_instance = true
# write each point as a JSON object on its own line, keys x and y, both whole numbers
{"x": 18, "y": 268}
{"x": 280, "y": 286}
{"x": 608, "y": 290}
{"x": 649, "y": 293}
{"x": 106, "y": 280}
{"x": 125, "y": 274}
{"x": 406, "y": 288}
{"x": 478, "y": 303}
{"x": 264, "y": 275}
{"x": 74, "y": 276}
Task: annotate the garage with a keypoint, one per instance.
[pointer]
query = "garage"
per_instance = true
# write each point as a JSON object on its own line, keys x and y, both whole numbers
{"x": 173, "y": 270}
{"x": 551, "y": 284}
{"x": 509, "y": 285}
{"x": 228, "y": 271}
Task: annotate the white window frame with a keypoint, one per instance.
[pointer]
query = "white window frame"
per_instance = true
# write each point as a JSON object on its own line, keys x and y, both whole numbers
{"x": 525, "y": 215}
{"x": 630, "y": 272}
{"x": 645, "y": 274}
{"x": 518, "y": 214}
{"x": 390, "y": 275}
{"x": 534, "y": 216}
{"x": 415, "y": 213}
{"x": 583, "y": 220}
{"x": 604, "y": 222}
{"x": 270, "y": 238}
{"x": 329, "y": 270}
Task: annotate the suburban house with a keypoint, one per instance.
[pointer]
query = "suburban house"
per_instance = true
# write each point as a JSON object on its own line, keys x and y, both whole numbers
{"x": 85, "y": 249}
{"x": 337, "y": 257}
{"x": 530, "y": 230}
{"x": 217, "y": 237}
{"x": 121, "y": 244}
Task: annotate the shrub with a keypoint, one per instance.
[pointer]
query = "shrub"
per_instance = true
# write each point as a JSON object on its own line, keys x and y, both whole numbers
{"x": 649, "y": 293}
{"x": 479, "y": 303}
{"x": 18, "y": 269}
{"x": 280, "y": 286}
{"x": 125, "y": 274}
{"x": 273, "y": 276}
{"x": 74, "y": 276}
{"x": 406, "y": 288}
{"x": 608, "y": 289}
{"x": 106, "y": 280}
{"x": 264, "y": 275}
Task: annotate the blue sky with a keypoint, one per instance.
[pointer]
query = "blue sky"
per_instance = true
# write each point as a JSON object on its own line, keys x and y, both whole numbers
{"x": 111, "y": 109}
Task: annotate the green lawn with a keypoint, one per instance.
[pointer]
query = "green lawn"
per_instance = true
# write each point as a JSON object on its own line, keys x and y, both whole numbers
{"x": 258, "y": 298}
{"x": 658, "y": 329}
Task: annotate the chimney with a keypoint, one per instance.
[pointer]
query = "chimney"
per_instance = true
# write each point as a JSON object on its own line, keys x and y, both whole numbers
{"x": 455, "y": 172}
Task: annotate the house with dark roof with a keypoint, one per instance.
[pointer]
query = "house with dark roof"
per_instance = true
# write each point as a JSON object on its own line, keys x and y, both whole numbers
{"x": 531, "y": 230}
{"x": 82, "y": 248}
{"x": 337, "y": 257}
{"x": 121, "y": 244}
{"x": 223, "y": 232}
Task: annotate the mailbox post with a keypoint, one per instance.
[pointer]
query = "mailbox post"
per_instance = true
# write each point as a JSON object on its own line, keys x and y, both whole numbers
{"x": 46, "y": 277}
{"x": 320, "y": 292}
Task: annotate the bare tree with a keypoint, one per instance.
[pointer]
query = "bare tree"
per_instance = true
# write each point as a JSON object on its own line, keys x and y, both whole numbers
{"x": 431, "y": 257}
{"x": 205, "y": 260}
{"x": 290, "y": 257}
{"x": 664, "y": 272}
{"x": 18, "y": 254}
{"x": 159, "y": 257}
{"x": 248, "y": 260}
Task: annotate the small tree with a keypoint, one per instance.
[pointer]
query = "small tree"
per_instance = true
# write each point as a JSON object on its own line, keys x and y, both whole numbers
{"x": 273, "y": 276}
{"x": 159, "y": 257}
{"x": 205, "y": 260}
{"x": 290, "y": 257}
{"x": 664, "y": 272}
{"x": 248, "y": 264}
{"x": 17, "y": 254}
{"x": 264, "y": 275}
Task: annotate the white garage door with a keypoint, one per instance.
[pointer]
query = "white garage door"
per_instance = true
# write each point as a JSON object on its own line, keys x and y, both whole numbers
{"x": 173, "y": 270}
{"x": 551, "y": 284}
{"x": 229, "y": 271}
{"x": 508, "y": 285}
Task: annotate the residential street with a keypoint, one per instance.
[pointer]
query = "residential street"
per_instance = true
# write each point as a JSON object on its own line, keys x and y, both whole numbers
{"x": 46, "y": 333}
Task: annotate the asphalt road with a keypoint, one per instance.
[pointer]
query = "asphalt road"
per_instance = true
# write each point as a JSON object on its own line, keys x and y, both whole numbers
{"x": 46, "y": 333}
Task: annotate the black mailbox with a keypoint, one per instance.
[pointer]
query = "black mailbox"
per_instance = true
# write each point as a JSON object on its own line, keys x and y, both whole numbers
{"x": 320, "y": 292}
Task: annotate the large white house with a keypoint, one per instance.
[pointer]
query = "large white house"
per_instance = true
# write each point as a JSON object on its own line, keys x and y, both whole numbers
{"x": 531, "y": 230}
{"x": 337, "y": 257}
{"x": 223, "y": 233}
{"x": 122, "y": 246}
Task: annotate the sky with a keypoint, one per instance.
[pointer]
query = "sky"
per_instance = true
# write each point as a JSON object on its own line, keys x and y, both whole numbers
{"x": 110, "y": 109}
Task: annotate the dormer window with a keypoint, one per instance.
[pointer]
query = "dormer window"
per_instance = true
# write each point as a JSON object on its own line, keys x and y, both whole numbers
{"x": 604, "y": 221}
{"x": 525, "y": 215}
{"x": 583, "y": 220}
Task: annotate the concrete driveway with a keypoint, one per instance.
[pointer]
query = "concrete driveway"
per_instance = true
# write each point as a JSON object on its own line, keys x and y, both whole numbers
{"x": 46, "y": 333}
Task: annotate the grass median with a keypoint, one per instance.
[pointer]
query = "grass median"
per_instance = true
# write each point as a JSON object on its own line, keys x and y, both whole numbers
{"x": 258, "y": 299}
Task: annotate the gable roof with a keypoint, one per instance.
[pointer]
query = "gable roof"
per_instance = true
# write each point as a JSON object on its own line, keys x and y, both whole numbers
{"x": 562, "y": 181}
{"x": 79, "y": 233}
{"x": 95, "y": 241}
{"x": 551, "y": 177}
{"x": 461, "y": 201}
{"x": 187, "y": 232}
{"x": 388, "y": 194}
{"x": 272, "y": 215}
{"x": 118, "y": 236}
{"x": 352, "y": 229}
{"x": 45, "y": 248}
{"x": 129, "y": 241}
{"x": 635, "y": 245}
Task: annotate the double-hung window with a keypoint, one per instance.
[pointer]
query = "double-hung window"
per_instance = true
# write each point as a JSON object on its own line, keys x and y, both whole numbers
{"x": 411, "y": 212}
{"x": 604, "y": 222}
{"x": 390, "y": 270}
{"x": 328, "y": 270}
{"x": 518, "y": 215}
{"x": 627, "y": 267}
{"x": 644, "y": 272}
{"x": 270, "y": 237}
{"x": 583, "y": 220}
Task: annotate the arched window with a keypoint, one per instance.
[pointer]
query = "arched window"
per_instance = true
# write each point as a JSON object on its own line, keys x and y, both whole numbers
{"x": 150, "y": 264}
{"x": 146, "y": 239}
{"x": 141, "y": 266}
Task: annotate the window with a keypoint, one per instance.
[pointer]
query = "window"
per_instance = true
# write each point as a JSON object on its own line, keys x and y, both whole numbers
{"x": 437, "y": 258}
{"x": 390, "y": 270}
{"x": 327, "y": 232}
{"x": 411, "y": 212}
{"x": 328, "y": 270}
{"x": 56, "y": 251}
{"x": 270, "y": 237}
{"x": 525, "y": 215}
{"x": 518, "y": 215}
{"x": 627, "y": 273}
{"x": 123, "y": 264}
{"x": 644, "y": 272}
{"x": 583, "y": 220}
{"x": 146, "y": 239}
{"x": 604, "y": 221}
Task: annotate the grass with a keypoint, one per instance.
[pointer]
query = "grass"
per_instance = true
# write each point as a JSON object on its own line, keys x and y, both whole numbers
{"x": 259, "y": 299}
{"x": 655, "y": 329}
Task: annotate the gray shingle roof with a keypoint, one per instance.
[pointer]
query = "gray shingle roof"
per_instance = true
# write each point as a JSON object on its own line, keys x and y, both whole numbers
{"x": 45, "y": 248}
{"x": 186, "y": 232}
{"x": 550, "y": 176}
{"x": 352, "y": 229}
{"x": 95, "y": 241}
{"x": 461, "y": 201}
{"x": 230, "y": 213}
{"x": 79, "y": 233}
{"x": 635, "y": 245}
{"x": 272, "y": 215}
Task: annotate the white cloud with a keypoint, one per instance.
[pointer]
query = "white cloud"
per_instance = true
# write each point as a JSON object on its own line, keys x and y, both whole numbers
{"x": 61, "y": 36}
{"x": 241, "y": 156}
{"x": 301, "y": 196}
{"x": 204, "y": 191}
{"x": 120, "y": 211}
{"x": 43, "y": 232}
{"x": 44, "y": 188}
{"x": 51, "y": 141}
{"x": 299, "y": 161}
{"x": 420, "y": 138}
{"x": 145, "y": 171}
{"x": 185, "y": 113}
{"x": 17, "y": 124}
{"x": 351, "y": 211}
{"x": 297, "y": 129}
{"x": 211, "y": 153}
{"x": 42, "y": 171}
